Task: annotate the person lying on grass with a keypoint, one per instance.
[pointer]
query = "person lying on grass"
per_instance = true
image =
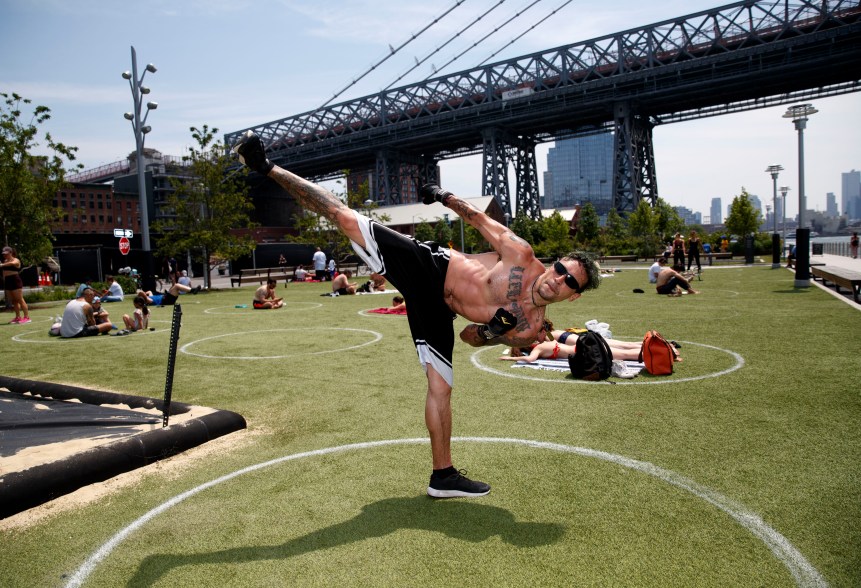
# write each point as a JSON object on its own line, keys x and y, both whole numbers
{"x": 621, "y": 350}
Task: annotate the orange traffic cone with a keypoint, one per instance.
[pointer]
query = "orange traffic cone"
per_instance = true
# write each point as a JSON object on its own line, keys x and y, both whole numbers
{"x": 48, "y": 281}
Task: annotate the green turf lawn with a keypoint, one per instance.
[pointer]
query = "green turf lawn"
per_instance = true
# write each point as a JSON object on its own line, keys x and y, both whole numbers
{"x": 758, "y": 428}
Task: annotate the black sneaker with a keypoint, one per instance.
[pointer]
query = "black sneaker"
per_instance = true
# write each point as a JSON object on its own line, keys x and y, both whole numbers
{"x": 456, "y": 485}
{"x": 251, "y": 152}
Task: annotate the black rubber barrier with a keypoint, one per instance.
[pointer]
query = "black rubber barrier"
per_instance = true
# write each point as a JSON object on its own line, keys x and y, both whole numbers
{"x": 22, "y": 490}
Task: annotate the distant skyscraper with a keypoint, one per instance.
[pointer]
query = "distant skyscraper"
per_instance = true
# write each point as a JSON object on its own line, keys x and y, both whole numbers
{"x": 851, "y": 195}
{"x": 715, "y": 212}
{"x": 831, "y": 205}
{"x": 756, "y": 203}
{"x": 580, "y": 170}
{"x": 688, "y": 216}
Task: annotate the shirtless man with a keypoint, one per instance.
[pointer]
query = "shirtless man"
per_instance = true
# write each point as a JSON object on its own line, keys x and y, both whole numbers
{"x": 264, "y": 297}
{"x": 504, "y": 293}
{"x": 342, "y": 285}
{"x": 669, "y": 279}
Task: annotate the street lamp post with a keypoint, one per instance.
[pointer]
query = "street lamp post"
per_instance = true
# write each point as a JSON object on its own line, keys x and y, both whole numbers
{"x": 140, "y": 129}
{"x": 799, "y": 114}
{"x": 775, "y": 170}
{"x": 783, "y": 191}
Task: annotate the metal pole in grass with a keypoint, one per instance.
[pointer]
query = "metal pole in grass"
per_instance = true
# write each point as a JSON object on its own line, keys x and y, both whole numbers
{"x": 140, "y": 129}
{"x": 176, "y": 322}
{"x": 775, "y": 170}
{"x": 799, "y": 114}
{"x": 783, "y": 191}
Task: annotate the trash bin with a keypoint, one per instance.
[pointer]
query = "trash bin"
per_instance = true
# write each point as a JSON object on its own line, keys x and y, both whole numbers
{"x": 817, "y": 248}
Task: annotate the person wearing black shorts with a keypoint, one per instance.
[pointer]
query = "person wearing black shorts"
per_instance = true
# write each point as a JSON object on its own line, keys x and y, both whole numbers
{"x": 504, "y": 293}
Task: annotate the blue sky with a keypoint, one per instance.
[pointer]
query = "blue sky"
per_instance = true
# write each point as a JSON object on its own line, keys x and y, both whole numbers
{"x": 233, "y": 64}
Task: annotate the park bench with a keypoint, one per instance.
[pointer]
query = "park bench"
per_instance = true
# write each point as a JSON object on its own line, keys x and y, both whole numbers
{"x": 260, "y": 275}
{"x": 839, "y": 276}
{"x": 620, "y": 258}
{"x": 716, "y": 255}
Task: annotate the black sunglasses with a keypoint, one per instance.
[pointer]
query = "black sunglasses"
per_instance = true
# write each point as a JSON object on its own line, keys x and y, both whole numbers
{"x": 570, "y": 280}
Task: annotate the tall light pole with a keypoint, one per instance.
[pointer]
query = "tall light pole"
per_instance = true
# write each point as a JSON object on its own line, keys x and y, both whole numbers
{"x": 775, "y": 170}
{"x": 140, "y": 129}
{"x": 783, "y": 191}
{"x": 799, "y": 114}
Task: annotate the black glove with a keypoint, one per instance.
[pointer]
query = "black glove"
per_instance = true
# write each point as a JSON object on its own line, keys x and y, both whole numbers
{"x": 251, "y": 153}
{"x": 502, "y": 322}
{"x": 431, "y": 193}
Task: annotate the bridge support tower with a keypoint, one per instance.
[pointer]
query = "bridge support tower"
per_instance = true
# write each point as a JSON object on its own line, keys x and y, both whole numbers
{"x": 634, "y": 175}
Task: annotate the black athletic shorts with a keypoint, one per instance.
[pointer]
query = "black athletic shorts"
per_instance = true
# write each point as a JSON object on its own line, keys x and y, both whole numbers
{"x": 418, "y": 271}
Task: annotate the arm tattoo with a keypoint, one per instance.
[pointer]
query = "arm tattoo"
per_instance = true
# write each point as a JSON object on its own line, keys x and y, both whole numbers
{"x": 463, "y": 210}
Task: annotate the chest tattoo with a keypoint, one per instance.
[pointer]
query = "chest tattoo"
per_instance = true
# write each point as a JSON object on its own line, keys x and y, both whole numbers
{"x": 515, "y": 283}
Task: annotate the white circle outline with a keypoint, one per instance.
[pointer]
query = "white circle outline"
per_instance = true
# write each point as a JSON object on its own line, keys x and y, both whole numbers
{"x": 366, "y": 312}
{"x": 184, "y": 348}
{"x": 739, "y": 363}
{"x": 288, "y": 307}
{"x": 801, "y": 570}
{"x": 53, "y": 340}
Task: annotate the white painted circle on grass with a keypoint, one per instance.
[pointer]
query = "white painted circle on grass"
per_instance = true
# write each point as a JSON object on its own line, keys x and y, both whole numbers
{"x": 288, "y": 306}
{"x": 187, "y": 347}
{"x": 21, "y": 337}
{"x": 802, "y": 571}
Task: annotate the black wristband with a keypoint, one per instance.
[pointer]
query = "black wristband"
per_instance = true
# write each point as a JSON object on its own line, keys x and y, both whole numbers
{"x": 484, "y": 331}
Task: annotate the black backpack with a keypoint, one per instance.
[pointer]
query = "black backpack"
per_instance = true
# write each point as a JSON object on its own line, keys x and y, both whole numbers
{"x": 592, "y": 359}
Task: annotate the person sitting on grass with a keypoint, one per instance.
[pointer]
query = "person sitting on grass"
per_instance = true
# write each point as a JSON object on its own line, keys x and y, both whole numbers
{"x": 99, "y": 313}
{"x": 342, "y": 285}
{"x": 78, "y": 319}
{"x": 139, "y": 321}
{"x": 398, "y": 303}
{"x": 669, "y": 282}
{"x": 114, "y": 293}
{"x": 299, "y": 274}
{"x": 264, "y": 297}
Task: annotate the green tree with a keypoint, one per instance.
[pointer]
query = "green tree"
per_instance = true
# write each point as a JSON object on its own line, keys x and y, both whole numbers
{"x": 589, "y": 226}
{"x": 642, "y": 223}
{"x": 743, "y": 219}
{"x": 207, "y": 206}
{"x": 557, "y": 242}
{"x": 29, "y": 182}
{"x": 613, "y": 238}
{"x": 526, "y": 228}
{"x": 444, "y": 234}
{"x": 667, "y": 220}
{"x": 424, "y": 231}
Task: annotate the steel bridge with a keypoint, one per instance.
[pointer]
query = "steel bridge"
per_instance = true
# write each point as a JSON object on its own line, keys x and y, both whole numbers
{"x": 741, "y": 56}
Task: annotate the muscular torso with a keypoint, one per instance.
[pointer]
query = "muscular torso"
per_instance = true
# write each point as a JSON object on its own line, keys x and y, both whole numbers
{"x": 664, "y": 277}
{"x": 477, "y": 285}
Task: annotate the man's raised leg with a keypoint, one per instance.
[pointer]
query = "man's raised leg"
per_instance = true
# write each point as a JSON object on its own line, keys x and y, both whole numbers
{"x": 309, "y": 195}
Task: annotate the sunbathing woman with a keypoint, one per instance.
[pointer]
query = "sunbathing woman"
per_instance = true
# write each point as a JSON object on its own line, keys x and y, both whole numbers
{"x": 621, "y": 350}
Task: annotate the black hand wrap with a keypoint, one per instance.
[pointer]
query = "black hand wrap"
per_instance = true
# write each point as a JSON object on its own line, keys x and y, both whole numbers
{"x": 502, "y": 322}
{"x": 431, "y": 193}
{"x": 251, "y": 153}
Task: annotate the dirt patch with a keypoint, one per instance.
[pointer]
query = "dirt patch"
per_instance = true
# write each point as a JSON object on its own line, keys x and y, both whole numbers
{"x": 169, "y": 468}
